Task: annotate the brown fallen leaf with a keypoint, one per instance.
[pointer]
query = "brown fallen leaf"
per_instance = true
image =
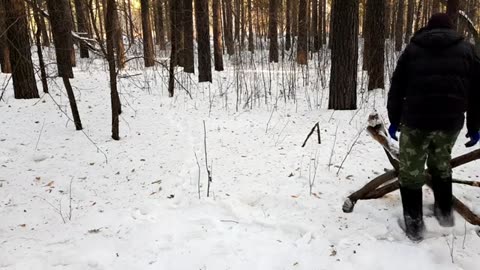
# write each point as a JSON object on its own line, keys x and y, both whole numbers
{"x": 22, "y": 225}
{"x": 50, "y": 184}
{"x": 295, "y": 196}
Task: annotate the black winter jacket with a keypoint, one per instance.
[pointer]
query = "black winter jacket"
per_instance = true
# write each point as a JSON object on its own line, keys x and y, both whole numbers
{"x": 437, "y": 80}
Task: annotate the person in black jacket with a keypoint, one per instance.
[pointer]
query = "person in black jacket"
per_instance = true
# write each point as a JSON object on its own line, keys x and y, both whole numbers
{"x": 435, "y": 83}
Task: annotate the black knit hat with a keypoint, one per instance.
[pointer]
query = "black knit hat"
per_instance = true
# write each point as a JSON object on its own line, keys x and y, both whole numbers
{"x": 440, "y": 20}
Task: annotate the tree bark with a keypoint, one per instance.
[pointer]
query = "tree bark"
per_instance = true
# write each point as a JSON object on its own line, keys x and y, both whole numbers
{"x": 273, "y": 30}
{"x": 243, "y": 29}
{"x": 302, "y": 46}
{"x": 111, "y": 31}
{"x": 388, "y": 18}
{"x": 4, "y": 50}
{"x": 399, "y": 26}
{"x": 343, "y": 81}
{"x": 314, "y": 26}
{"x": 82, "y": 26}
{"x": 43, "y": 26}
{"x": 251, "y": 45}
{"x": 410, "y": 17}
{"x": 160, "y": 26}
{"x": 288, "y": 27}
{"x": 38, "y": 41}
{"x": 294, "y": 15}
{"x": 367, "y": 32}
{"x": 322, "y": 23}
{"x": 24, "y": 84}
{"x": 130, "y": 27}
{"x": 419, "y": 15}
{"x": 118, "y": 39}
{"x": 62, "y": 35}
{"x": 60, "y": 19}
{"x": 174, "y": 48}
{"x": 148, "y": 52}
{"x": 376, "y": 36}
{"x": 203, "y": 37}
{"x": 237, "y": 19}
{"x": 229, "y": 27}
{"x": 217, "y": 35}
{"x": 188, "y": 54}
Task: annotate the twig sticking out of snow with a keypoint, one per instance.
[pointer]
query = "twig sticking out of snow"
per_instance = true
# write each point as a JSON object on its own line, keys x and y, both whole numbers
{"x": 315, "y": 127}
{"x": 198, "y": 184}
{"x": 349, "y": 151}
{"x": 209, "y": 173}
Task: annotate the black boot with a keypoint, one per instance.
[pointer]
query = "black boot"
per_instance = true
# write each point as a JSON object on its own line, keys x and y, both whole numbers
{"x": 413, "y": 213}
{"x": 442, "y": 209}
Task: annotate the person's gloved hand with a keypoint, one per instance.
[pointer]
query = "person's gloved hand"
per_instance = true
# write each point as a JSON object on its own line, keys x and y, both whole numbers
{"x": 474, "y": 138}
{"x": 392, "y": 131}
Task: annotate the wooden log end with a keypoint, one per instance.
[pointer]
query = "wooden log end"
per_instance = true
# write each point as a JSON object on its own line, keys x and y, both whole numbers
{"x": 348, "y": 206}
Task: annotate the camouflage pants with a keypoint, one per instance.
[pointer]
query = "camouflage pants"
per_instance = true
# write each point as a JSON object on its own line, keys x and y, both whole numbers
{"x": 418, "y": 147}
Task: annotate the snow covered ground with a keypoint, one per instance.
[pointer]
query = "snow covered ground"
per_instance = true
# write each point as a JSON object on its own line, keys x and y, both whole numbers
{"x": 140, "y": 206}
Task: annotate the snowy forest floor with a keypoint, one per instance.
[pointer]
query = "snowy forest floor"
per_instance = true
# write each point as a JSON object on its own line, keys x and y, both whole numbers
{"x": 144, "y": 208}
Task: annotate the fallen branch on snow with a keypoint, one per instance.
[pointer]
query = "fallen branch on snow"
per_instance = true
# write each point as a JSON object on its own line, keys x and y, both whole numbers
{"x": 387, "y": 183}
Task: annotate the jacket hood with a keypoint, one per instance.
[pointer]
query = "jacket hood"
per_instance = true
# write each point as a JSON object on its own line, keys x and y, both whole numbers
{"x": 439, "y": 38}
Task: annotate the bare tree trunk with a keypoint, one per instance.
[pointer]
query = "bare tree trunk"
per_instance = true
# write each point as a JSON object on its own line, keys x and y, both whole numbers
{"x": 426, "y": 11}
{"x": 160, "y": 27}
{"x": 367, "y": 35}
{"x": 188, "y": 54}
{"x": 251, "y": 45}
{"x": 43, "y": 26}
{"x": 343, "y": 81}
{"x": 419, "y": 15}
{"x": 273, "y": 31}
{"x": 111, "y": 30}
{"x": 24, "y": 84}
{"x": 61, "y": 22}
{"x": 99, "y": 15}
{"x": 322, "y": 22}
{"x": 177, "y": 31}
{"x": 174, "y": 48}
{"x": 38, "y": 41}
{"x": 82, "y": 26}
{"x": 399, "y": 26}
{"x": 242, "y": 25}
{"x": 302, "y": 46}
{"x": 118, "y": 38}
{"x": 388, "y": 18}
{"x": 288, "y": 34}
{"x": 237, "y": 19}
{"x": 62, "y": 35}
{"x": 131, "y": 27}
{"x": 148, "y": 52}
{"x": 294, "y": 18}
{"x": 4, "y": 50}
{"x": 410, "y": 17}
{"x": 314, "y": 26}
{"x": 203, "y": 37}
{"x": 229, "y": 29}
{"x": 217, "y": 35}
{"x": 376, "y": 57}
